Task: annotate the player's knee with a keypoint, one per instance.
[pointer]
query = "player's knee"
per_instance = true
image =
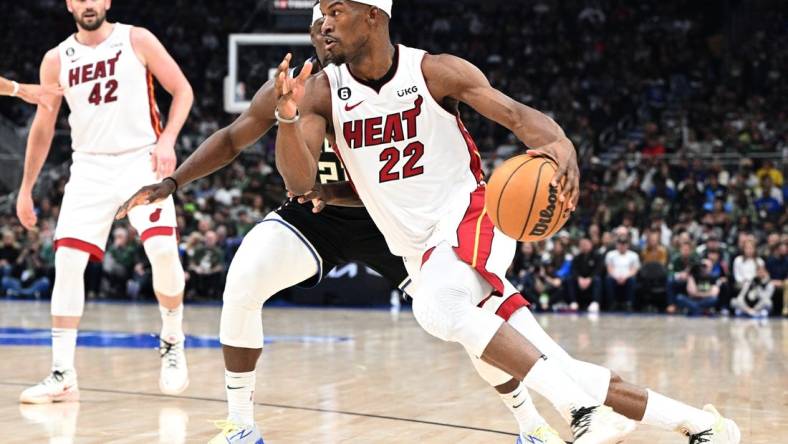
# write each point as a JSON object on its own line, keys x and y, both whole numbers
{"x": 168, "y": 278}
{"x": 441, "y": 311}
{"x": 68, "y": 293}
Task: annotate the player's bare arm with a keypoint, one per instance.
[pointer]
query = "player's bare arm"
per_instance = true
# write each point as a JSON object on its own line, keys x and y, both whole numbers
{"x": 449, "y": 76}
{"x": 39, "y": 140}
{"x": 30, "y": 93}
{"x": 304, "y": 107}
{"x": 166, "y": 71}
{"x": 217, "y": 151}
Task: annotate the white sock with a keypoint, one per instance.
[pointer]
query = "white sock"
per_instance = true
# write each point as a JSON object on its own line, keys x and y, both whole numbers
{"x": 521, "y": 405}
{"x": 240, "y": 396}
{"x": 548, "y": 379}
{"x": 64, "y": 344}
{"x": 172, "y": 323}
{"x": 669, "y": 414}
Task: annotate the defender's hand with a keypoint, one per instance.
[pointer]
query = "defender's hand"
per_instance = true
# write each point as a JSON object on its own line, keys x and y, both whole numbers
{"x": 317, "y": 196}
{"x": 564, "y": 154}
{"x": 147, "y": 195}
{"x": 289, "y": 90}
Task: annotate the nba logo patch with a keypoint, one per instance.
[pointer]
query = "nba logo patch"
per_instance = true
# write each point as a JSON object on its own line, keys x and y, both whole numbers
{"x": 156, "y": 215}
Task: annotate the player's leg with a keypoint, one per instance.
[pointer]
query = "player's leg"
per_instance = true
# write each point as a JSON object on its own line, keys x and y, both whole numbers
{"x": 371, "y": 249}
{"x": 632, "y": 401}
{"x": 444, "y": 305}
{"x": 86, "y": 215}
{"x": 273, "y": 256}
{"x": 156, "y": 224}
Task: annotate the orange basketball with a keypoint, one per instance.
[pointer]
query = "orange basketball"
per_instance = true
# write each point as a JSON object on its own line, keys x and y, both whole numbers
{"x": 520, "y": 200}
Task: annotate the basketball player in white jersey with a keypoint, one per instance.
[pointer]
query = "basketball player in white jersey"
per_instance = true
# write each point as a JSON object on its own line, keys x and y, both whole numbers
{"x": 300, "y": 247}
{"x": 107, "y": 71}
{"x": 393, "y": 112}
{"x": 33, "y": 94}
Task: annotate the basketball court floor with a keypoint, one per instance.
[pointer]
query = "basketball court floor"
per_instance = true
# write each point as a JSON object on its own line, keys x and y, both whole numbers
{"x": 370, "y": 376}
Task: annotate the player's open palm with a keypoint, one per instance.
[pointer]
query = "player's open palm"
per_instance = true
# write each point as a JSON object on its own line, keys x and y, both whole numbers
{"x": 289, "y": 89}
{"x": 147, "y": 195}
{"x": 25, "y": 210}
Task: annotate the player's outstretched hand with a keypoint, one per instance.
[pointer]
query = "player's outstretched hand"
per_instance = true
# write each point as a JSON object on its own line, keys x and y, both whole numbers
{"x": 317, "y": 197}
{"x": 564, "y": 154}
{"x": 39, "y": 94}
{"x": 147, "y": 195}
{"x": 25, "y": 210}
{"x": 289, "y": 90}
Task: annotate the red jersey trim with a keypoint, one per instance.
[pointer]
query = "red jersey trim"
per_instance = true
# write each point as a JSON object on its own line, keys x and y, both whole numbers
{"x": 473, "y": 150}
{"x": 155, "y": 119}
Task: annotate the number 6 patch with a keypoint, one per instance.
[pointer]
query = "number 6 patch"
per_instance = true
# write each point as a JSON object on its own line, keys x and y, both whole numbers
{"x": 344, "y": 93}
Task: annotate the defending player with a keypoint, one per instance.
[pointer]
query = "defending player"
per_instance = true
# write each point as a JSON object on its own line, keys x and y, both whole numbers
{"x": 107, "y": 72}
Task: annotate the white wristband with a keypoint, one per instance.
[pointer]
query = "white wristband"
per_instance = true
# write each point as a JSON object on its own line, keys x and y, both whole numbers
{"x": 15, "y": 84}
{"x": 281, "y": 119}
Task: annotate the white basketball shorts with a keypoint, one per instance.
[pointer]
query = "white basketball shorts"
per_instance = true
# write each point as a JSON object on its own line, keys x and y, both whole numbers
{"x": 98, "y": 186}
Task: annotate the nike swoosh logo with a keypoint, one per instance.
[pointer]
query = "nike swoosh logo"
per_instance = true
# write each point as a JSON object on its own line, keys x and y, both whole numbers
{"x": 351, "y": 108}
{"x": 233, "y": 388}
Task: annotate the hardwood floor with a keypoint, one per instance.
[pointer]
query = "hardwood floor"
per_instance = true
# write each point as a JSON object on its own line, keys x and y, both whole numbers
{"x": 368, "y": 376}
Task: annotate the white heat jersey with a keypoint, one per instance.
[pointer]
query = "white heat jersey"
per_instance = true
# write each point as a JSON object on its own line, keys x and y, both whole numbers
{"x": 412, "y": 162}
{"x": 110, "y": 95}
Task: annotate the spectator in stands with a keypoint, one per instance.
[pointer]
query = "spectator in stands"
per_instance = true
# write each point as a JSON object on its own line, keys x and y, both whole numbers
{"x": 119, "y": 262}
{"x": 584, "y": 285}
{"x": 746, "y": 265}
{"x": 768, "y": 170}
{"x": 206, "y": 267}
{"x": 702, "y": 289}
{"x": 622, "y": 266}
{"x": 9, "y": 253}
{"x": 769, "y": 203}
{"x": 653, "y": 250}
{"x": 755, "y": 296}
{"x": 524, "y": 271}
{"x": 777, "y": 267}
{"x": 30, "y": 275}
{"x": 679, "y": 271}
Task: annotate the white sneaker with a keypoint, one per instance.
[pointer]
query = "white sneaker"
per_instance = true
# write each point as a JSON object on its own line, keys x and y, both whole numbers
{"x": 599, "y": 425}
{"x": 724, "y": 431}
{"x": 174, "y": 373}
{"x": 57, "y": 387}
{"x": 235, "y": 433}
{"x": 593, "y": 307}
{"x": 544, "y": 434}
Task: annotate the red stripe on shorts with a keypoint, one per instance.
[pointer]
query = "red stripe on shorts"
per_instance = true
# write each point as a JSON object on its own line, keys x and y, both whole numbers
{"x": 475, "y": 237}
{"x": 96, "y": 253}
{"x": 156, "y": 231}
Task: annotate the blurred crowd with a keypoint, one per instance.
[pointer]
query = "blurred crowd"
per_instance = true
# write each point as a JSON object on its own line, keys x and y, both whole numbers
{"x": 679, "y": 120}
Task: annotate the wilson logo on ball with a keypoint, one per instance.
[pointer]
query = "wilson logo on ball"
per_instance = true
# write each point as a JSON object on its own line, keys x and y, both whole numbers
{"x": 546, "y": 215}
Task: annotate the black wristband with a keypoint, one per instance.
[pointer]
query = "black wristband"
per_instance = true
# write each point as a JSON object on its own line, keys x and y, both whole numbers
{"x": 174, "y": 182}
